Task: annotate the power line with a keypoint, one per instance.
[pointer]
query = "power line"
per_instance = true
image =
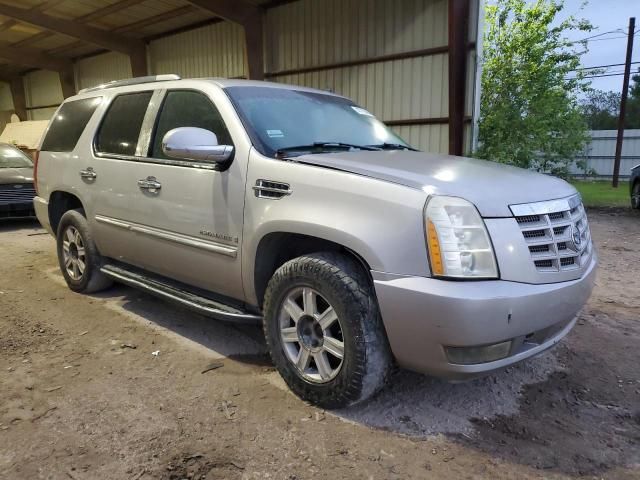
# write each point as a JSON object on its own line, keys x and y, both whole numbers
{"x": 589, "y": 39}
{"x": 618, "y": 30}
{"x": 603, "y": 75}
{"x": 605, "y": 66}
{"x": 605, "y": 39}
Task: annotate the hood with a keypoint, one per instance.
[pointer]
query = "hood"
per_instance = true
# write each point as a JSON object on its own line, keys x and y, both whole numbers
{"x": 16, "y": 175}
{"x": 490, "y": 186}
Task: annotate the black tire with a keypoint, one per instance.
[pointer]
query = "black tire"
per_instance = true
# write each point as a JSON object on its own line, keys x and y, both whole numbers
{"x": 347, "y": 288}
{"x": 91, "y": 279}
{"x": 635, "y": 196}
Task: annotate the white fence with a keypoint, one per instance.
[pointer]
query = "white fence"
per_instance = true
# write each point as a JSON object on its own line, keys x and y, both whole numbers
{"x": 600, "y": 153}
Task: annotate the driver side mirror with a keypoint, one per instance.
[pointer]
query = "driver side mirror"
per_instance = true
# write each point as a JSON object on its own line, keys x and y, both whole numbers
{"x": 197, "y": 144}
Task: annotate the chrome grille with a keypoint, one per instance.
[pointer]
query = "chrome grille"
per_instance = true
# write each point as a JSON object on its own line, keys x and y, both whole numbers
{"x": 16, "y": 193}
{"x": 552, "y": 238}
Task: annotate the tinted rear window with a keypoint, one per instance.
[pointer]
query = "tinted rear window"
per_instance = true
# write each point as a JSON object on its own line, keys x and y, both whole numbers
{"x": 68, "y": 124}
{"x": 121, "y": 125}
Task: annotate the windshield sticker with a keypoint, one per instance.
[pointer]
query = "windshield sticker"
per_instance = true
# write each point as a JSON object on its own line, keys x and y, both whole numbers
{"x": 275, "y": 133}
{"x": 362, "y": 111}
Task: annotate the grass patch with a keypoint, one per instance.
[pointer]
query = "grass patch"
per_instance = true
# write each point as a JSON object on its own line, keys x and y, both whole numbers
{"x": 600, "y": 193}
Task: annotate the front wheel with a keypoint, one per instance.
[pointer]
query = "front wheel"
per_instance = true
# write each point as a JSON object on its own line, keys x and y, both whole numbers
{"x": 324, "y": 330}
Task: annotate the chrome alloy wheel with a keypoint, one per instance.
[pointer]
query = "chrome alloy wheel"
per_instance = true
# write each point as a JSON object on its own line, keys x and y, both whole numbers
{"x": 311, "y": 334}
{"x": 73, "y": 253}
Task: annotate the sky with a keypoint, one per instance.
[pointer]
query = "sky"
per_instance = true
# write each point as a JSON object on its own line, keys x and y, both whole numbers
{"x": 606, "y": 16}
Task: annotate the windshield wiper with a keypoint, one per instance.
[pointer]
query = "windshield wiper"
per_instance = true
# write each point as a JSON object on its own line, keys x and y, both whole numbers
{"x": 320, "y": 146}
{"x": 392, "y": 146}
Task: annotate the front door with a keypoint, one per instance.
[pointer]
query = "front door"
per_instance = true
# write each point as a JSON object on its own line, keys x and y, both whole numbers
{"x": 185, "y": 217}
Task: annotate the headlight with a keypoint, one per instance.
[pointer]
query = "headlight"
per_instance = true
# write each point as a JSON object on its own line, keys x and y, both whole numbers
{"x": 458, "y": 242}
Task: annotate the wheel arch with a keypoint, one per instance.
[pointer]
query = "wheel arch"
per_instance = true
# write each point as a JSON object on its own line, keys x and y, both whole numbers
{"x": 60, "y": 202}
{"x": 276, "y": 248}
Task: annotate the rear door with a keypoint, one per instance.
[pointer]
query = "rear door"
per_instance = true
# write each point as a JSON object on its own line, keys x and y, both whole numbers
{"x": 112, "y": 175}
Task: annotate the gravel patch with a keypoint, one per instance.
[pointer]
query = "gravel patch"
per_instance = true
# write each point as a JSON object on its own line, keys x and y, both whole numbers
{"x": 418, "y": 405}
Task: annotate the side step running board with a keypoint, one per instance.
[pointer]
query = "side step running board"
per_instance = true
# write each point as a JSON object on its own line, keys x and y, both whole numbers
{"x": 181, "y": 296}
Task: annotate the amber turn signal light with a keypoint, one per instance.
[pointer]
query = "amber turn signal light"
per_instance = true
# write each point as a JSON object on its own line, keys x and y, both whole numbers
{"x": 434, "y": 249}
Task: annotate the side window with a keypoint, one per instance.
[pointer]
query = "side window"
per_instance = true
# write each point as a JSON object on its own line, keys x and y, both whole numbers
{"x": 68, "y": 124}
{"x": 186, "y": 108}
{"x": 120, "y": 127}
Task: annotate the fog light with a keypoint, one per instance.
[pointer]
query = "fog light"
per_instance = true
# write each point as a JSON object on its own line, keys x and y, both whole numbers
{"x": 473, "y": 355}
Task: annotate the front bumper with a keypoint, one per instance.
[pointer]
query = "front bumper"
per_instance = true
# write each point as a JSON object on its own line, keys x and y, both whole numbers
{"x": 41, "y": 207}
{"x": 422, "y": 316}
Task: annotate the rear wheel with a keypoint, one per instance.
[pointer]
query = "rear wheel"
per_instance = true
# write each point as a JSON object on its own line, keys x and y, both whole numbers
{"x": 635, "y": 196}
{"x": 78, "y": 255}
{"x": 324, "y": 330}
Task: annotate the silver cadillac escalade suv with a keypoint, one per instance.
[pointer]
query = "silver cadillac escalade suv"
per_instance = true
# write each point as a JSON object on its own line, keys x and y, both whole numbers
{"x": 261, "y": 202}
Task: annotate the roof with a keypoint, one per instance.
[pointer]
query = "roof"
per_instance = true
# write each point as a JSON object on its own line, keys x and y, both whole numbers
{"x": 128, "y": 20}
{"x": 174, "y": 81}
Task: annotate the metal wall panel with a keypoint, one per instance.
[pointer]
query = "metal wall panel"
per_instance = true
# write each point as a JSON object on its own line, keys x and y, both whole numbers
{"x": 215, "y": 50}
{"x": 396, "y": 90}
{"x": 93, "y": 71}
{"x": 6, "y": 99}
{"x": 308, "y": 33}
{"x": 431, "y": 138}
{"x": 600, "y": 153}
{"x": 41, "y": 113}
{"x": 42, "y": 89}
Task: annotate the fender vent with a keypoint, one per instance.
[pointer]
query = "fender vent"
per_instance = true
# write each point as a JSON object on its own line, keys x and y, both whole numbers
{"x": 271, "y": 190}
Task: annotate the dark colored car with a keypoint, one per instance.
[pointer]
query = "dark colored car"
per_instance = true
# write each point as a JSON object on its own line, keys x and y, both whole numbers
{"x": 634, "y": 186}
{"x": 16, "y": 183}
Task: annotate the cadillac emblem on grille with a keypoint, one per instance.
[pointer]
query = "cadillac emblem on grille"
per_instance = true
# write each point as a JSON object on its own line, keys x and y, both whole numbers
{"x": 576, "y": 237}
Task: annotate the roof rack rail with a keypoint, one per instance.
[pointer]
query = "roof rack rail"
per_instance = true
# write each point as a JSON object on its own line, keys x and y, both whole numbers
{"x": 133, "y": 81}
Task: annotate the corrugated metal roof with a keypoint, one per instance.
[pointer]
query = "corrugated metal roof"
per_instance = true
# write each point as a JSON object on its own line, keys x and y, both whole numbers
{"x": 128, "y": 18}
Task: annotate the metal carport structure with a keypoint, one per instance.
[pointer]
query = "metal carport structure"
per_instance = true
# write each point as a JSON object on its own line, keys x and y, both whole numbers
{"x": 411, "y": 62}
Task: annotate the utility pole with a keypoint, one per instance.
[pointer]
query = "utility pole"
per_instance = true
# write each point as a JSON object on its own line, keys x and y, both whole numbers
{"x": 623, "y": 102}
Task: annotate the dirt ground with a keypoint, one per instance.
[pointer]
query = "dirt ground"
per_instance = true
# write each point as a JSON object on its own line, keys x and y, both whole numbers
{"x": 82, "y": 396}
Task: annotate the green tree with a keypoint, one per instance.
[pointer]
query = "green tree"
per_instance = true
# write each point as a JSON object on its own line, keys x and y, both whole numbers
{"x": 601, "y": 109}
{"x": 529, "y": 110}
{"x": 632, "y": 117}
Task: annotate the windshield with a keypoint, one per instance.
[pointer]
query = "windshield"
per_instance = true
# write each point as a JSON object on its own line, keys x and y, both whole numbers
{"x": 279, "y": 119}
{"x": 11, "y": 157}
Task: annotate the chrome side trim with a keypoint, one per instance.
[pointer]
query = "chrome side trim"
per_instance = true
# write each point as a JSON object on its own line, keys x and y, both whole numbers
{"x": 546, "y": 207}
{"x": 159, "y": 161}
{"x": 113, "y": 222}
{"x": 213, "y": 247}
{"x": 115, "y": 156}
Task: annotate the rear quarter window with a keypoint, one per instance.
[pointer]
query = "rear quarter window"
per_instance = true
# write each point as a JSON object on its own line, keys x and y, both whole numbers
{"x": 68, "y": 123}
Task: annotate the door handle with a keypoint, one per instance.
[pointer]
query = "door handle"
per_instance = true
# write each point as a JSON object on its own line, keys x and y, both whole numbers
{"x": 88, "y": 174}
{"x": 150, "y": 184}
